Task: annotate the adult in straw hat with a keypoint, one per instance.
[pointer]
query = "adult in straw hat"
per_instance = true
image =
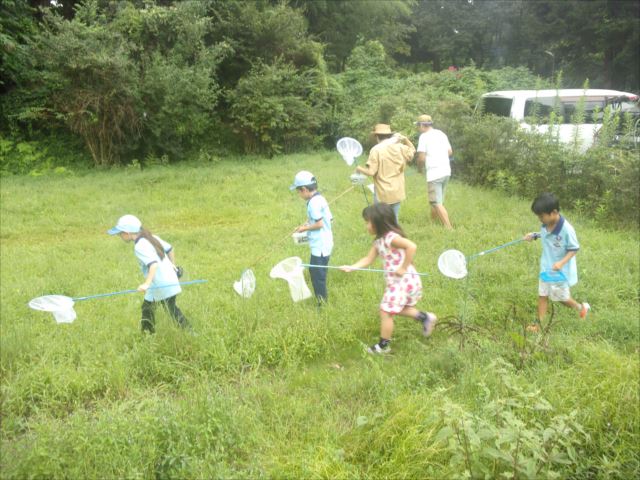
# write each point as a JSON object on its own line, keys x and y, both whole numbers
{"x": 434, "y": 150}
{"x": 386, "y": 165}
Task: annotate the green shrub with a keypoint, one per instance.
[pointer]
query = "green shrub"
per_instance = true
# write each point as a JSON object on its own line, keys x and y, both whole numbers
{"x": 41, "y": 155}
{"x": 601, "y": 183}
{"x": 279, "y": 108}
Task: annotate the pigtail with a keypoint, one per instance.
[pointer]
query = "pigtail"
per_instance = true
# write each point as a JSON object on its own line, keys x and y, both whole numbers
{"x": 144, "y": 233}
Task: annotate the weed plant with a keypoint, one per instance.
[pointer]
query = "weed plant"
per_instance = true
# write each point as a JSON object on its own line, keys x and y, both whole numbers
{"x": 266, "y": 388}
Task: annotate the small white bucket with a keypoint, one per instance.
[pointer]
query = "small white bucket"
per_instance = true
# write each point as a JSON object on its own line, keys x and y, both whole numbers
{"x": 300, "y": 238}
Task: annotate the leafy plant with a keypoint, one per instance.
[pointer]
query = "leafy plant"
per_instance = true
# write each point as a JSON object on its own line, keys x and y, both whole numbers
{"x": 514, "y": 435}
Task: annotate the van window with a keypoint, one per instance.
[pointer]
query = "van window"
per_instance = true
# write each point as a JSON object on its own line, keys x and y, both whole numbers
{"x": 590, "y": 108}
{"x": 498, "y": 106}
{"x": 540, "y": 108}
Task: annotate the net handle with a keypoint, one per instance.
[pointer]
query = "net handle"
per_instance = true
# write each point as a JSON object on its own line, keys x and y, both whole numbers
{"x": 308, "y": 265}
{"x": 78, "y": 299}
{"x": 513, "y": 242}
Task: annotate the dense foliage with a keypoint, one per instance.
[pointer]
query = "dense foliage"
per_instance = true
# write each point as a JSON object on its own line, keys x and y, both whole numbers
{"x": 602, "y": 182}
{"x": 140, "y": 81}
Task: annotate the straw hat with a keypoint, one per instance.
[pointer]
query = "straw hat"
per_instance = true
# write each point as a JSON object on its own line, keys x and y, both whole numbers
{"x": 382, "y": 129}
{"x": 424, "y": 120}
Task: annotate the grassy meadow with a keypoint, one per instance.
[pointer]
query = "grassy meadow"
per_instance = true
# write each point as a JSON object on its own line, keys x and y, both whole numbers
{"x": 266, "y": 388}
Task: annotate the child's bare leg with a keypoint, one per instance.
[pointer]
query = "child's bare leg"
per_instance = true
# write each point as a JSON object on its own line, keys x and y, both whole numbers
{"x": 427, "y": 319}
{"x": 411, "y": 312}
{"x": 386, "y": 325}
{"x": 581, "y": 308}
{"x": 542, "y": 308}
{"x": 571, "y": 303}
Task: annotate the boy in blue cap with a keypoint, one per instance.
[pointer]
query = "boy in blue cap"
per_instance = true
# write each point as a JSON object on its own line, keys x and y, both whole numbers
{"x": 559, "y": 248}
{"x": 318, "y": 226}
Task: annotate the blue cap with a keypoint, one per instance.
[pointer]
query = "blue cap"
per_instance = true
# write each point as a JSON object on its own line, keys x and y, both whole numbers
{"x": 303, "y": 179}
{"x": 126, "y": 223}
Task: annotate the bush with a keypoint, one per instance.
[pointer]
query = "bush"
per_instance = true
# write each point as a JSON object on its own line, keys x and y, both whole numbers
{"x": 40, "y": 155}
{"x": 494, "y": 152}
{"x": 279, "y": 108}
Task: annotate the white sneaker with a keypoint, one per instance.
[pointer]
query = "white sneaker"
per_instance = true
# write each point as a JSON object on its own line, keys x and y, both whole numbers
{"x": 585, "y": 310}
{"x": 378, "y": 350}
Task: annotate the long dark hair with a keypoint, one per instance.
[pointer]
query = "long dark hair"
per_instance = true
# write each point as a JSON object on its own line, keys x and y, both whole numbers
{"x": 146, "y": 234}
{"x": 383, "y": 219}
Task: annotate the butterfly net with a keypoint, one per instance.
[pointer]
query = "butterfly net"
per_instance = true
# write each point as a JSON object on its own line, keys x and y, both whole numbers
{"x": 349, "y": 148}
{"x": 453, "y": 264}
{"x": 59, "y": 305}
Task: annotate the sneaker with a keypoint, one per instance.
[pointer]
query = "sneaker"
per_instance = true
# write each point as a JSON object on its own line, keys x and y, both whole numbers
{"x": 378, "y": 350}
{"x": 585, "y": 310}
{"x": 428, "y": 324}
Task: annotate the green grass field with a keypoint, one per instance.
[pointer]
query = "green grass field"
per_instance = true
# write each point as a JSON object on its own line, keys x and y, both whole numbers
{"x": 266, "y": 388}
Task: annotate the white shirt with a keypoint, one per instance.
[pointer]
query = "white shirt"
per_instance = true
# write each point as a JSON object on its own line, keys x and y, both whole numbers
{"x": 435, "y": 145}
{"x": 165, "y": 274}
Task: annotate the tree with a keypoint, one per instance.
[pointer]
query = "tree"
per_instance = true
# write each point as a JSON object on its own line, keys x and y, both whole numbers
{"x": 342, "y": 24}
{"x": 596, "y": 40}
{"x": 258, "y": 32}
{"x": 89, "y": 79}
{"x": 17, "y": 28}
{"x": 177, "y": 68}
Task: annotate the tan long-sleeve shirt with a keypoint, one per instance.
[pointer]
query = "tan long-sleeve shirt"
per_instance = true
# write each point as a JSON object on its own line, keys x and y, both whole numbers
{"x": 386, "y": 164}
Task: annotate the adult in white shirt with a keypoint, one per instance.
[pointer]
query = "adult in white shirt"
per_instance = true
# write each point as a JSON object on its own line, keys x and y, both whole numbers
{"x": 434, "y": 150}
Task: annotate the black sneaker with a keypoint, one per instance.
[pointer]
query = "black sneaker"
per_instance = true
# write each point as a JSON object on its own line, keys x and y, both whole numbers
{"x": 378, "y": 350}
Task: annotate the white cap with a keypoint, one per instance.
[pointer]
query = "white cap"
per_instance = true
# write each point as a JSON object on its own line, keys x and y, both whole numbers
{"x": 126, "y": 223}
{"x": 303, "y": 179}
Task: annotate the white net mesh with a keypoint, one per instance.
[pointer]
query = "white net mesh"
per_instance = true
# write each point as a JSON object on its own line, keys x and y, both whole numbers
{"x": 453, "y": 264}
{"x": 59, "y": 305}
{"x": 349, "y": 148}
{"x": 290, "y": 269}
{"x": 246, "y": 285}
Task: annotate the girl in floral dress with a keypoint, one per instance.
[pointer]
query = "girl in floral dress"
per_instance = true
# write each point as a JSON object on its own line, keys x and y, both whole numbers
{"x": 404, "y": 288}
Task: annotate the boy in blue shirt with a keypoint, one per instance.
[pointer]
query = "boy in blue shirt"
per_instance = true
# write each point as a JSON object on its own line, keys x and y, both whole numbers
{"x": 319, "y": 231}
{"x": 559, "y": 248}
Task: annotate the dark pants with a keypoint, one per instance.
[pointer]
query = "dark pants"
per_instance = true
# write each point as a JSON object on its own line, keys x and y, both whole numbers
{"x": 319, "y": 277}
{"x": 148, "y": 322}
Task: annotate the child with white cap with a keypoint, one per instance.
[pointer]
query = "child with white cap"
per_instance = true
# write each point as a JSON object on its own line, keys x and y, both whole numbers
{"x": 157, "y": 262}
{"x": 318, "y": 226}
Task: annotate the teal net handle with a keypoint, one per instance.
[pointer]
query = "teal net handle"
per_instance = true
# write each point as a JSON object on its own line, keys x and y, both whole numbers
{"x": 123, "y": 292}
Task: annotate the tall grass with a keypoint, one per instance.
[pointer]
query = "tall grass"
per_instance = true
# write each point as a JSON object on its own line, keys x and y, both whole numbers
{"x": 269, "y": 388}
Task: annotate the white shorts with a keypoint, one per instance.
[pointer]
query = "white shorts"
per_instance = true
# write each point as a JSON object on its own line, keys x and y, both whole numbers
{"x": 558, "y": 292}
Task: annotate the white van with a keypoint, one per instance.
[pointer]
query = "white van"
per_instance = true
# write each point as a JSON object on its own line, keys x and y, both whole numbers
{"x": 532, "y": 108}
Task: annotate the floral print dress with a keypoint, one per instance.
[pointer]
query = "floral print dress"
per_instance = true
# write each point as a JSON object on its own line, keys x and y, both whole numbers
{"x": 403, "y": 291}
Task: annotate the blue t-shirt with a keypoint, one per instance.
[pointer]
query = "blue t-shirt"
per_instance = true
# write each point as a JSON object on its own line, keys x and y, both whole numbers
{"x": 320, "y": 240}
{"x": 555, "y": 246}
{"x": 165, "y": 274}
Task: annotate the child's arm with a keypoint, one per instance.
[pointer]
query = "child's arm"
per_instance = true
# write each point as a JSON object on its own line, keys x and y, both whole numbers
{"x": 147, "y": 281}
{"x": 531, "y": 236}
{"x": 363, "y": 262}
{"x": 558, "y": 265}
{"x": 314, "y": 226}
{"x": 410, "y": 252}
